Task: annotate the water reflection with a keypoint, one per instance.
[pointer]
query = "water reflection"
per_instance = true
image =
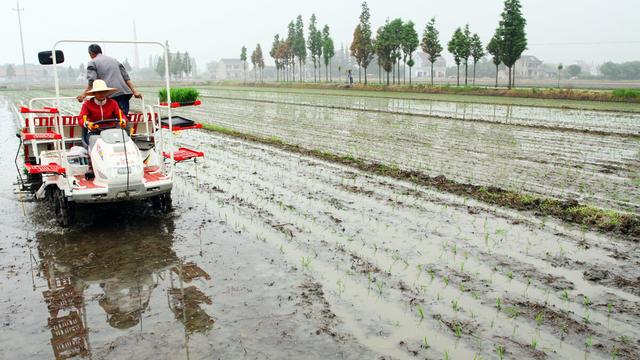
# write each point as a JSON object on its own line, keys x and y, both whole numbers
{"x": 124, "y": 267}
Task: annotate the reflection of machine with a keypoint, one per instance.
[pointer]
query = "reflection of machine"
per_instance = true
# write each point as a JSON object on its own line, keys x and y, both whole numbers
{"x": 126, "y": 272}
{"x": 125, "y": 167}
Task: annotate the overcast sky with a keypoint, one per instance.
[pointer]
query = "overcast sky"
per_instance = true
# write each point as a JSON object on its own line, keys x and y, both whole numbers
{"x": 558, "y": 30}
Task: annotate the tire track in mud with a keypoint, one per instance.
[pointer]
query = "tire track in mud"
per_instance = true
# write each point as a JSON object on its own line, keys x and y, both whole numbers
{"x": 270, "y": 185}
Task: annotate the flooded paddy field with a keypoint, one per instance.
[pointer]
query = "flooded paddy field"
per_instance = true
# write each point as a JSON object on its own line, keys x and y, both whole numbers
{"x": 538, "y": 151}
{"x": 270, "y": 254}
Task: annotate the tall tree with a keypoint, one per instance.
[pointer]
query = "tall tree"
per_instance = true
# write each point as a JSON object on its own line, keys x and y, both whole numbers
{"x": 410, "y": 43}
{"x": 160, "y": 70}
{"x": 513, "y": 35}
{"x": 273, "y": 53}
{"x": 283, "y": 56}
{"x": 175, "y": 64}
{"x": 465, "y": 51}
{"x": 395, "y": 31}
{"x": 477, "y": 53}
{"x": 385, "y": 47}
{"x": 328, "y": 51}
{"x": 291, "y": 41}
{"x": 366, "y": 44}
{"x": 11, "y": 72}
{"x": 187, "y": 64}
{"x": 314, "y": 44}
{"x": 494, "y": 49}
{"x": 454, "y": 48}
{"x": 431, "y": 44}
{"x": 254, "y": 62}
{"x": 260, "y": 60}
{"x": 356, "y": 47}
{"x": 243, "y": 58}
{"x": 299, "y": 47}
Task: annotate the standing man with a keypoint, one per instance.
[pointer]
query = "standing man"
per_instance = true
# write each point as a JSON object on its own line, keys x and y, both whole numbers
{"x": 113, "y": 73}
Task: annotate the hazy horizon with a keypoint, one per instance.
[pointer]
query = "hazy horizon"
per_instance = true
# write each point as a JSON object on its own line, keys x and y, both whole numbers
{"x": 602, "y": 31}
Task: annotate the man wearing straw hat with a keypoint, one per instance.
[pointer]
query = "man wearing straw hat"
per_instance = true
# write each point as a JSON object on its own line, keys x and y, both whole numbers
{"x": 99, "y": 108}
{"x": 113, "y": 73}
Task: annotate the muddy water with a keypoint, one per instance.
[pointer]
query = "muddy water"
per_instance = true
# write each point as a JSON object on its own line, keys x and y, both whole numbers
{"x": 299, "y": 258}
{"x": 126, "y": 283}
{"x": 603, "y": 170}
{"x": 557, "y": 118}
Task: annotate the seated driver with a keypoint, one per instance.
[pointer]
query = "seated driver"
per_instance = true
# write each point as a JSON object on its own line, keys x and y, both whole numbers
{"x": 100, "y": 107}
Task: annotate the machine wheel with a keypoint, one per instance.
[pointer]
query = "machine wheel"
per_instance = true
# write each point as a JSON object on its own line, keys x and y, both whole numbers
{"x": 64, "y": 210}
{"x": 162, "y": 203}
{"x": 51, "y": 196}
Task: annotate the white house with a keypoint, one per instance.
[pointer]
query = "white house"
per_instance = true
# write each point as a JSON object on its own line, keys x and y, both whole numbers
{"x": 230, "y": 69}
{"x": 422, "y": 69}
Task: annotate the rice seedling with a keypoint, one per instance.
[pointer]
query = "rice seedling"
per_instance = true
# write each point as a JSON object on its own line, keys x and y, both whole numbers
{"x": 625, "y": 339}
{"x": 306, "y": 262}
{"x": 498, "y": 304}
{"x": 455, "y": 305}
{"x": 588, "y": 343}
{"x": 380, "y": 286}
{"x": 534, "y": 343}
{"x": 425, "y": 343}
{"x": 501, "y": 351}
{"x": 180, "y": 95}
{"x": 341, "y": 286}
{"x": 615, "y": 352}
{"x": 539, "y": 318}
{"x": 420, "y": 312}
{"x": 458, "y": 331}
{"x": 510, "y": 275}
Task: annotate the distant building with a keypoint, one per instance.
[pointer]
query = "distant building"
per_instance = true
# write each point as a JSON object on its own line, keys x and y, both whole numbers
{"x": 230, "y": 69}
{"x": 421, "y": 71}
{"x": 530, "y": 67}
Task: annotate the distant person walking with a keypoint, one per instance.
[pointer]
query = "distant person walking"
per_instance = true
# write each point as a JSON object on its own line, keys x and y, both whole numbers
{"x": 350, "y": 77}
{"x": 113, "y": 73}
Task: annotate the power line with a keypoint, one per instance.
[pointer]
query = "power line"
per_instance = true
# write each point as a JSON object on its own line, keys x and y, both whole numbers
{"x": 586, "y": 43}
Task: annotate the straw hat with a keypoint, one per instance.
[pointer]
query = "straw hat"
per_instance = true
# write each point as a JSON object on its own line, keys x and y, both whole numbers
{"x": 100, "y": 86}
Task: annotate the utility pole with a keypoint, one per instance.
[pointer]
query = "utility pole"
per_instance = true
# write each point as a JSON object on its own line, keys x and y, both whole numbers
{"x": 24, "y": 63}
{"x": 136, "y": 57}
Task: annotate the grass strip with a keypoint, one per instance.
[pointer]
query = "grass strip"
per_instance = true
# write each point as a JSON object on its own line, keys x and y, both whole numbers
{"x": 607, "y": 221}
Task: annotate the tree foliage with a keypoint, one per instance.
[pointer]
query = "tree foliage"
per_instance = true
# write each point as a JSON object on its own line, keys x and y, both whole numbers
{"x": 409, "y": 44}
{"x": 328, "y": 49}
{"x": 431, "y": 43}
{"x": 513, "y": 38}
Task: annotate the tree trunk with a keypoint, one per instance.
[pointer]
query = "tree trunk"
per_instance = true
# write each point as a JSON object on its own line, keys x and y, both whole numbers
{"x": 474, "y": 73}
{"x": 409, "y": 75}
{"x": 365, "y": 76}
{"x": 319, "y": 71}
{"x": 466, "y": 73}
{"x": 293, "y": 70}
{"x": 432, "y": 74}
{"x": 509, "y": 87}
{"x": 393, "y": 71}
{"x": 359, "y": 74}
{"x": 497, "y": 69}
{"x": 458, "y": 78}
{"x": 513, "y": 81}
{"x": 301, "y": 77}
{"x": 387, "y": 78}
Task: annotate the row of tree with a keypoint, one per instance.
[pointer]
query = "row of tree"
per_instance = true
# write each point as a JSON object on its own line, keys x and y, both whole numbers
{"x": 180, "y": 65}
{"x": 394, "y": 45}
{"x": 397, "y": 40}
{"x": 292, "y": 49}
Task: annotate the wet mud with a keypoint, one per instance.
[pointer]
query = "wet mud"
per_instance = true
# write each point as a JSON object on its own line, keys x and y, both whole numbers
{"x": 274, "y": 254}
